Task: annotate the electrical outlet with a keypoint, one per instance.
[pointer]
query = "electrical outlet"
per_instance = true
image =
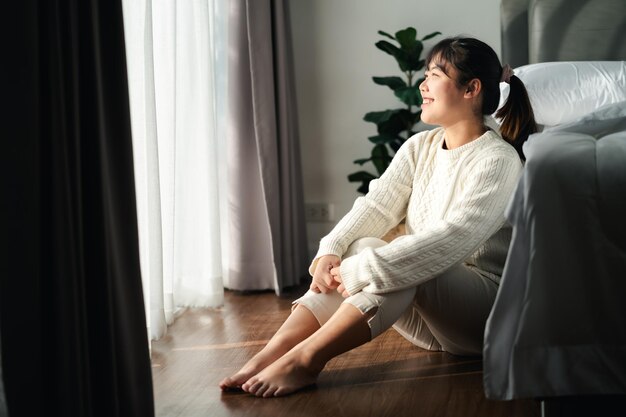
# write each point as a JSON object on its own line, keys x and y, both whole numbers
{"x": 318, "y": 212}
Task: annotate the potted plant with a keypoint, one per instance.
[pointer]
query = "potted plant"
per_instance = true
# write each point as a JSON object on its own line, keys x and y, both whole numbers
{"x": 395, "y": 126}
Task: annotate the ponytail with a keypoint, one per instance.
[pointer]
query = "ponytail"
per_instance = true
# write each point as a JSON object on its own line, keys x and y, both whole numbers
{"x": 518, "y": 119}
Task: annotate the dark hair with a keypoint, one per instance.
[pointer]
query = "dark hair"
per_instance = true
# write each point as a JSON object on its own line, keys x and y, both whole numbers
{"x": 475, "y": 59}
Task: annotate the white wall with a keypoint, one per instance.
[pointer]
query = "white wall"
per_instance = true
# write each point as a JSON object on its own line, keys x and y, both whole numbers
{"x": 335, "y": 58}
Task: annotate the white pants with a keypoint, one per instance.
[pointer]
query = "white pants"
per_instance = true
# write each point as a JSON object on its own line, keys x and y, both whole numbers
{"x": 447, "y": 313}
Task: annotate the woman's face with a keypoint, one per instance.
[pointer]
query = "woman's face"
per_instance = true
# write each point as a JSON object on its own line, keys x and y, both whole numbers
{"x": 443, "y": 102}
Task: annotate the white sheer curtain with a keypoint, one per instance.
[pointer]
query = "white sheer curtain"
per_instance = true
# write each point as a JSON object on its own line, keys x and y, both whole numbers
{"x": 177, "y": 77}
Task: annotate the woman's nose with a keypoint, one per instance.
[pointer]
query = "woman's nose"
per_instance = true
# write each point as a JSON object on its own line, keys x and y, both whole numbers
{"x": 423, "y": 86}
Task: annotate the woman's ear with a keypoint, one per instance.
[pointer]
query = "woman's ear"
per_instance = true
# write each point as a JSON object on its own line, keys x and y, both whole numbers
{"x": 473, "y": 88}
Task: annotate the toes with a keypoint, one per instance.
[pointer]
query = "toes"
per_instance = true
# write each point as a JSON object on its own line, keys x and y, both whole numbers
{"x": 256, "y": 387}
{"x": 283, "y": 391}
{"x": 246, "y": 385}
{"x": 225, "y": 383}
{"x": 270, "y": 392}
{"x": 261, "y": 390}
{"x": 228, "y": 384}
{"x": 252, "y": 386}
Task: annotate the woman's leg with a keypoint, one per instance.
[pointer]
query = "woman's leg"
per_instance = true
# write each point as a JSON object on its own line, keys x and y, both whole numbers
{"x": 310, "y": 312}
{"x": 359, "y": 319}
{"x": 453, "y": 308}
{"x": 300, "y": 324}
{"x": 446, "y": 313}
{"x": 299, "y": 368}
{"x": 345, "y": 324}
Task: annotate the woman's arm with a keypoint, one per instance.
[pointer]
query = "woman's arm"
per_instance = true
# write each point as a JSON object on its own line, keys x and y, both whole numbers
{"x": 382, "y": 208}
{"x": 473, "y": 216}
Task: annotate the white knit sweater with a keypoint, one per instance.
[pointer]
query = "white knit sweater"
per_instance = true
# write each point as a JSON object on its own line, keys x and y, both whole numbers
{"x": 453, "y": 201}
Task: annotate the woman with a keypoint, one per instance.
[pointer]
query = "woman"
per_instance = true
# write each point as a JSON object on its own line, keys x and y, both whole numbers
{"x": 436, "y": 284}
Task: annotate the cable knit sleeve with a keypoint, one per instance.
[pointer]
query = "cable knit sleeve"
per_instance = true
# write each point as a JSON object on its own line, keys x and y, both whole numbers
{"x": 382, "y": 208}
{"x": 474, "y": 214}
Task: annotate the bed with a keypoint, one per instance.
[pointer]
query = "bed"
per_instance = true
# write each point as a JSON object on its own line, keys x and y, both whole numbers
{"x": 557, "y": 330}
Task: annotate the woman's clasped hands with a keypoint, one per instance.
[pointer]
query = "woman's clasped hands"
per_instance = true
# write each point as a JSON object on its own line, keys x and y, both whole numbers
{"x": 327, "y": 276}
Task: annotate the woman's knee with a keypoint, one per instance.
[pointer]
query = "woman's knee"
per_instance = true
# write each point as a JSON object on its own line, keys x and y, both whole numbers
{"x": 456, "y": 305}
{"x": 382, "y": 310}
{"x": 322, "y": 306}
{"x": 363, "y": 243}
{"x": 455, "y": 288}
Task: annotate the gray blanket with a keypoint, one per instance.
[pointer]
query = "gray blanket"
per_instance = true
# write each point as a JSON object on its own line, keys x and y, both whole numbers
{"x": 558, "y": 325}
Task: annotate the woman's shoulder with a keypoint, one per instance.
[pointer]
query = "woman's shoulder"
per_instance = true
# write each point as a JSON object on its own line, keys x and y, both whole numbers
{"x": 497, "y": 146}
{"x": 425, "y": 139}
{"x": 494, "y": 154}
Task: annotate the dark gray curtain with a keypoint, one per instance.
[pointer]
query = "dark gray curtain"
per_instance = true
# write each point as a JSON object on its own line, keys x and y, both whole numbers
{"x": 3, "y": 403}
{"x": 73, "y": 330}
{"x": 267, "y": 229}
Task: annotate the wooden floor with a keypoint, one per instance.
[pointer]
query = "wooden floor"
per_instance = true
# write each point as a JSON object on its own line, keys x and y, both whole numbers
{"x": 387, "y": 377}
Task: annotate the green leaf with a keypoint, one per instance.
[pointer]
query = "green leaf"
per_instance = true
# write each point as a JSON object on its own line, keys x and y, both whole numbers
{"x": 379, "y": 116}
{"x": 382, "y": 139}
{"x": 407, "y": 37}
{"x": 412, "y": 57}
{"x": 409, "y": 95}
{"x": 380, "y": 32}
{"x": 392, "y": 82}
{"x": 362, "y": 161}
{"x": 380, "y": 158}
{"x": 364, "y": 178}
{"x": 400, "y": 55}
{"x": 361, "y": 176}
{"x": 395, "y": 145}
{"x": 388, "y": 47}
{"x": 397, "y": 123}
{"x": 380, "y": 151}
{"x": 380, "y": 164}
{"x": 429, "y": 36}
{"x": 410, "y": 120}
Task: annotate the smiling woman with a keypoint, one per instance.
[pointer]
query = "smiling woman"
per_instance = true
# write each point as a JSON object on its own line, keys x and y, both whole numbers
{"x": 441, "y": 95}
{"x": 436, "y": 284}
{"x": 474, "y": 73}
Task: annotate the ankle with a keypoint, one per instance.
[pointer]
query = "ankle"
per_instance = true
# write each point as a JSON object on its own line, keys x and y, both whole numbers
{"x": 311, "y": 359}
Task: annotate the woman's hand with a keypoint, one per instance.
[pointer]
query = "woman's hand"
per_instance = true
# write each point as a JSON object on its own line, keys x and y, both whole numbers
{"x": 341, "y": 289}
{"x": 323, "y": 281}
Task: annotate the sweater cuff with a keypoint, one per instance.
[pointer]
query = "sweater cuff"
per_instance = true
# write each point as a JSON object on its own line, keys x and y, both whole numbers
{"x": 350, "y": 275}
{"x": 332, "y": 248}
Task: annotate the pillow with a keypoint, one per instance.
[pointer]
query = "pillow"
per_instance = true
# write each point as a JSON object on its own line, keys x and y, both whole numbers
{"x": 604, "y": 121}
{"x": 562, "y": 92}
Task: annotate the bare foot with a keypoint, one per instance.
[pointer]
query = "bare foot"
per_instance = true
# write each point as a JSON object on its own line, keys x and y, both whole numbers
{"x": 255, "y": 365}
{"x": 288, "y": 374}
